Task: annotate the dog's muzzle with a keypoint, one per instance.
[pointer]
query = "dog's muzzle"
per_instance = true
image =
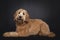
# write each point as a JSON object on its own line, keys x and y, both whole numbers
{"x": 19, "y": 19}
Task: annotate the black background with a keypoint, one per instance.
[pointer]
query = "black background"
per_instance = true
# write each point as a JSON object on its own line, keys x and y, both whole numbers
{"x": 42, "y": 9}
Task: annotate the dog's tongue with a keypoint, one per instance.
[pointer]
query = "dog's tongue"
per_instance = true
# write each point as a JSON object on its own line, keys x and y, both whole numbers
{"x": 20, "y": 21}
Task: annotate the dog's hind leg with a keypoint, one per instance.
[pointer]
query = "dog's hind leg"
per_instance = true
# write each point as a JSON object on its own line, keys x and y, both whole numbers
{"x": 10, "y": 34}
{"x": 45, "y": 31}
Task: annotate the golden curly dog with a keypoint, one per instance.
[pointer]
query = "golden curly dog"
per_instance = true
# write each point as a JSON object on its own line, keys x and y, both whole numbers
{"x": 25, "y": 26}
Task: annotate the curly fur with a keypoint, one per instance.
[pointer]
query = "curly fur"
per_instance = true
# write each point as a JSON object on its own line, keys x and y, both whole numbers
{"x": 28, "y": 26}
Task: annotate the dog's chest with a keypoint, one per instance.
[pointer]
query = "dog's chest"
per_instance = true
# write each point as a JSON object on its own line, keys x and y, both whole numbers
{"x": 22, "y": 28}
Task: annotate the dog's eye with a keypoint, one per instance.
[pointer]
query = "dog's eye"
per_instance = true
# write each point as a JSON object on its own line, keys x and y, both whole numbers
{"x": 23, "y": 14}
{"x": 19, "y": 12}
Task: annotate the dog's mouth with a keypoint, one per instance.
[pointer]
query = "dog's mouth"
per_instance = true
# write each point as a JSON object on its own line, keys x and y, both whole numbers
{"x": 19, "y": 20}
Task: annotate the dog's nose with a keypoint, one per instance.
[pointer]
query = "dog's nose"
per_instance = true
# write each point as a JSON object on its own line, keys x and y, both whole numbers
{"x": 20, "y": 17}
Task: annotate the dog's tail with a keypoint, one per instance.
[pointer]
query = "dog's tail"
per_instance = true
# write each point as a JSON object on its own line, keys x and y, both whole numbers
{"x": 51, "y": 34}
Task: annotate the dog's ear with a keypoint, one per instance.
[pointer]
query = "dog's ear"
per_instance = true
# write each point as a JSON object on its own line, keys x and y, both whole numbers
{"x": 27, "y": 17}
{"x": 14, "y": 15}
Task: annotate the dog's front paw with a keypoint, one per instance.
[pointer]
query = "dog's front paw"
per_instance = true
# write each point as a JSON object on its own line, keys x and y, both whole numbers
{"x": 10, "y": 34}
{"x": 6, "y": 34}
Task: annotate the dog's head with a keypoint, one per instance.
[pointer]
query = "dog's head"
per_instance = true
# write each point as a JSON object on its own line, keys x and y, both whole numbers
{"x": 21, "y": 16}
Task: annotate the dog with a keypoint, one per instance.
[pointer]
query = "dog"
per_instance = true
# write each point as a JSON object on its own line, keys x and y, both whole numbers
{"x": 25, "y": 26}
